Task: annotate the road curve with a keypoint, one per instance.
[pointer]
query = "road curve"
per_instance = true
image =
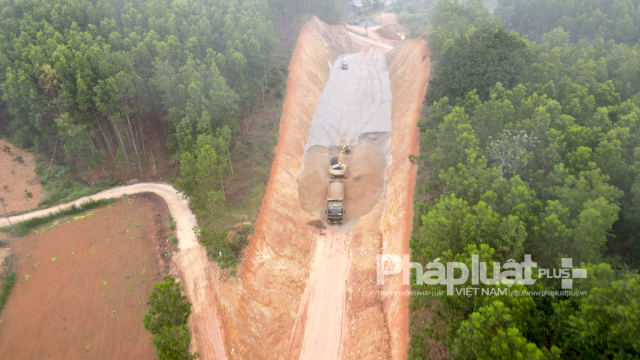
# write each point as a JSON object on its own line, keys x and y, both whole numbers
{"x": 191, "y": 260}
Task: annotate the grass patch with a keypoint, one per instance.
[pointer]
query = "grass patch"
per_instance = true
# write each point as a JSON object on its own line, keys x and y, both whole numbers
{"x": 7, "y": 285}
{"x": 59, "y": 187}
{"x": 27, "y": 226}
{"x": 172, "y": 225}
{"x": 227, "y": 252}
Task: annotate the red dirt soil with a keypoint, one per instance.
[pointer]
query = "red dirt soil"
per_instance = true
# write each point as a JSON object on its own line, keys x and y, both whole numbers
{"x": 64, "y": 310}
{"x": 258, "y": 309}
{"x": 409, "y": 69}
{"x": 263, "y": 311}
{"x": 23, "y": 178}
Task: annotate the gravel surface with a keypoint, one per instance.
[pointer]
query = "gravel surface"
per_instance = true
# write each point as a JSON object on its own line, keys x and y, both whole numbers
{"x": 354, "y": 101}
{"x": 354, "y": 110}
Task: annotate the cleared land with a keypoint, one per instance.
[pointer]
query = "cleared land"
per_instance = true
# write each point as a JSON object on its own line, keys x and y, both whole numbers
{"x": 284, "y": 305}
{"x": 192, "y": 264}
{"x": 83, "y": 282}
{"x": 17, "y": 177}
{"x": 354, "y": 110}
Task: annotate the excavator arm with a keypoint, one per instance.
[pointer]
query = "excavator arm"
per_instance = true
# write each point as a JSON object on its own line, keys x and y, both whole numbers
{"x": 338, "y": 168}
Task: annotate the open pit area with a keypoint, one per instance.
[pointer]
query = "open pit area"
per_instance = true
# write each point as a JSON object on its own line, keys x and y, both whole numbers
{"x": 83, "y": 282}
{"x": 354, "y": 110}
{"x": 306, "y": 290}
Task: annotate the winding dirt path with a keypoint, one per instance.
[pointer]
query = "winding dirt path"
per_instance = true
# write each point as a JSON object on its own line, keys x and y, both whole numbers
{"x": 199, "y": 280}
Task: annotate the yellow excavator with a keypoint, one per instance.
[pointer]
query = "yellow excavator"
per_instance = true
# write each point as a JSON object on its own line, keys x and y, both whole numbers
{"x": 338, "y": 168}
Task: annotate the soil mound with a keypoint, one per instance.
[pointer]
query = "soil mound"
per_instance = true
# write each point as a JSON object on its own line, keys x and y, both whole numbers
{"x": 391, "y": 31}
{"x": 364, "y": 182}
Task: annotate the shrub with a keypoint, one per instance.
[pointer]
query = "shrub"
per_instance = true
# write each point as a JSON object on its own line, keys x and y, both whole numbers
{"x": 166, "y": 318}
{"x": 7, "y": 285}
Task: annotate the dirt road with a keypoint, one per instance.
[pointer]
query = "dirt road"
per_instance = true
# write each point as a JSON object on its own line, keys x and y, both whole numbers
{"x": 198, "y": 278}
{"x": 305, "y": 291}
{"x": 321, "y": 316}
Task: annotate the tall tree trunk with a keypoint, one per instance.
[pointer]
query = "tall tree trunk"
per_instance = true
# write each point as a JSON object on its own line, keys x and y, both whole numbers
{"x": 229, "y": 157}
{"x": 224, "y": 199}
{"x": 54, "y": 154}
{"x": 115, "y": 125}
{"x": 140, "y": 127}
{"x": 105, "y": 136}
{"x": 135, "y": 148}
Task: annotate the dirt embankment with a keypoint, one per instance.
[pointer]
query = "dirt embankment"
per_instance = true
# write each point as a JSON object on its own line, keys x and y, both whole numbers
{"x": 17, "y": 177}
{"x": 259, "y": 308}
{"x": 394, "y": 32}
{"x": 409, "y": 68}
{"x": 288, "y": 301}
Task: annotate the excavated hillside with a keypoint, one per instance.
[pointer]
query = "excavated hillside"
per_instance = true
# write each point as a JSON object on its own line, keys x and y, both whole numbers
{"x": 306, "y": 290}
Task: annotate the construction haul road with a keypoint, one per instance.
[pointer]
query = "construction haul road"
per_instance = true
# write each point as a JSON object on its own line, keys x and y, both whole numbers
{"x": 354, "y": 110}
{"x": 305, "y": 290}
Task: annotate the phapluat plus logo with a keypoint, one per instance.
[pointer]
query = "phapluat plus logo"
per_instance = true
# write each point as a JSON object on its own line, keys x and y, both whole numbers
{"x": 510, "y": 273}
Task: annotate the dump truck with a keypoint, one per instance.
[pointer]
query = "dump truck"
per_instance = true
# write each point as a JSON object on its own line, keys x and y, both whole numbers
{"x": 335, "y": 202}
{"x": 338, "y": 168}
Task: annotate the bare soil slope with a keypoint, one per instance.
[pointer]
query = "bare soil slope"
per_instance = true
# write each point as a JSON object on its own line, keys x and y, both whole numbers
{"x": 258, "y": 309}
{"x": 18, "y": 177}
{"x": 83, "y": 285}
{"x": 303, "y": 290}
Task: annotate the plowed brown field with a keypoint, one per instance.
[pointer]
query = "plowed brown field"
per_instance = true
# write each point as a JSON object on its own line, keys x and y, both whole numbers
{"x": 82, "y": 285}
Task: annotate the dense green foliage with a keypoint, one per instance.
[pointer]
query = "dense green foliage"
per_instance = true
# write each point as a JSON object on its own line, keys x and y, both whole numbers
{"x": 83, "y": 82}
{"x": 330, "y": 11}
{"x": 83, "y": 76}
{"x": 7, "y": 284}
{"x": 477, "y": 61}
{"x": 25, "y": 227}
{"x": 617, "y": 20}
{"x": 546, "y": 164}
{"x": 166, "y": 318}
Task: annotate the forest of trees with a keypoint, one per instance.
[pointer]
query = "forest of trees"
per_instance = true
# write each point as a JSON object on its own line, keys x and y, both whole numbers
{"x": 529, "y": 149}
{"x": 82, "y": 81}
{"x": 617, "y": 20}
{"x": 82, "y": 76}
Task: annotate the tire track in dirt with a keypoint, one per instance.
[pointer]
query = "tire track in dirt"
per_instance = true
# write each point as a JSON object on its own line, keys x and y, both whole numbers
{"x": 197, "y": 273}
{"x": 323, "y": 307}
